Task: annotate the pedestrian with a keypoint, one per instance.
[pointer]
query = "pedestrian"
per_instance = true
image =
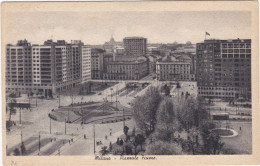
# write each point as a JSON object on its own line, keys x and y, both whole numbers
{"x": 105, "y": 137}
{"x": 51, "y": 139}
{"x": 240, "y": 128}
{"x": 69, "y": 141}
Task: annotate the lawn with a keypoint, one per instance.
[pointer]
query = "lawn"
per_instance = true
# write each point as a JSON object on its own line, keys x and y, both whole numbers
{"x": 241, "y": 144}
{"x": 223, "y": 132}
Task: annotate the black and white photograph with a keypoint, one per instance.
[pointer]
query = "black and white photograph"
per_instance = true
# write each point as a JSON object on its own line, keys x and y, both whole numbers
{"x": 127, "y": 83}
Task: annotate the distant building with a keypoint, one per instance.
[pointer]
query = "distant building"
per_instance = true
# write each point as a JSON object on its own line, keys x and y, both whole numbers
{"x": 97, "y": 58}
{"x": 152, "y": 63}
{"x": 172, "y": 70}
{"x": 224, "y": 68}
{"x": 135, "y": 46}
{"x": 126, "y": 68}
{"x": 110, "y": 45}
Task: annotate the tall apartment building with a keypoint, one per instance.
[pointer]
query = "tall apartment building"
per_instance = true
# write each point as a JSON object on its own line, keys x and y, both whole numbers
{"x": 224, "y": 68}
{"x": 46, "y": 68}
{"x": 85, "y": 64}
{"x": 97, "y": 58}
{"x": 18, "y": 66}
{"x": 135, "y": 46}
{"x": 126, "y": 68}
{"x": 173, "y": 70}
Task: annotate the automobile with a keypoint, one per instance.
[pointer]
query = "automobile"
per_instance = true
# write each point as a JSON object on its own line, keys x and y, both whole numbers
{"x": 100, "y": 93}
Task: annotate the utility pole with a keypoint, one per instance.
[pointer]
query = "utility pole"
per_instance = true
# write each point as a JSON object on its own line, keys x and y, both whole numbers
{"x": 103, "y": 109}
{"x": 50, "y": 125}
{"x": 81, "y": 110}
{"x": 226, "y": 119}
{"x": 21, "y": 137}
{"x": 36, "y": 100}
{"x": 111, "y": 95}
{"x": 116, "y": 96}
{"x": 65, "y": 126}
{"x": 20, "y": 116}
{"x": 94, "y": 138}
{"x": 124, "y": 118}
{"x": 39, "y": 142}
{"x": 59, "y": 99}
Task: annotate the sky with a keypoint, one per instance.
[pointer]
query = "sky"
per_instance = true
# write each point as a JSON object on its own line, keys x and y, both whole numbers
{"x": 98, "y": 27}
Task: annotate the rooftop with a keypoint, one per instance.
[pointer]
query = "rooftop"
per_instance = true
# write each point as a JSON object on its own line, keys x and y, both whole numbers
{"x": 134, "y": 37}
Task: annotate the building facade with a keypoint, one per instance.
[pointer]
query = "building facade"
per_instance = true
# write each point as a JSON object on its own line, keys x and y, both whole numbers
{"x": 18, "y": 66}
{"x": 173, "y": 71}
{"x": 97, "y": 58}
{"x": 135, "y": 46}
{"x": 224, "y": 68}
{"x": 43, "y": 69}
{"x": 85, "y": 64}
{"x": 126, "y": 68}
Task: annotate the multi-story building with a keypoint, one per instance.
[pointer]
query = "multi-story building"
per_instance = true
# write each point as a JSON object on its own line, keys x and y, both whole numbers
{"x": 85, "y": 64}
{"x": 169, "y": 70}
{"x": 126, "y": 68}
{"x": 135, "y": 46}
{"x": 46, "y": 68}
{"x": 19, "y": 66}
{"x": 224, "y": 68}
{"x": 97, "y": 58}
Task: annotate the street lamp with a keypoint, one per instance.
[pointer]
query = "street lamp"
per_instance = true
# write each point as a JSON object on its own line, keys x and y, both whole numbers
{"x": 81, "y": 110}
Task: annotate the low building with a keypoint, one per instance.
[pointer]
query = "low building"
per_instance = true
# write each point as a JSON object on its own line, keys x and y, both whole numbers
{"x": 126, "y": 68}
{"x": 169, "y": 70}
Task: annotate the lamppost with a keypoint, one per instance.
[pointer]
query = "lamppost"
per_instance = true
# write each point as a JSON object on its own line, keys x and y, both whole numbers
{"x": 81, "y": 110}
{"x": 39, "y": 142}
{"x": 36, "y": 97}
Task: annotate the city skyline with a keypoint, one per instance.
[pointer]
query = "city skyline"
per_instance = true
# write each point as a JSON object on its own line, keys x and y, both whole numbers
{"x": 171, "y": 26}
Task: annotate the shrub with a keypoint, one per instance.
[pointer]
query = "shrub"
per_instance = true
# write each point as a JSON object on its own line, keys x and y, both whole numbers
{"x": 17, "y": 152}
{"x": 163, "y": 148}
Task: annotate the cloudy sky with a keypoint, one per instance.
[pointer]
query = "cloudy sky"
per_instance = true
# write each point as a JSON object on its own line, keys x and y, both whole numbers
{"x": 97, "y": 27}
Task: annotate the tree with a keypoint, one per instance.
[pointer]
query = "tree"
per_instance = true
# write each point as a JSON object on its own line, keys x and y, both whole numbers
{"x": 128, "y": 149}
{"x": 23, "y": 149}
{"x": 110, "y": 146}
{"x": 166, "y": 90}
{"x": 126, "y": 131}
{"x": 212, "y": 143}
{"x": 133, "y": 132}
{"x": 145, "y": 109}
{"x": 166, "y": 121}
{"x": 104, "y": 150}
{"x": 139, "y": 140}
{"x": 16, "y": 152}
{"x": 117, "y": 141}
{"x": 163, "y": 148}
{"x": 192, "y": 113}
